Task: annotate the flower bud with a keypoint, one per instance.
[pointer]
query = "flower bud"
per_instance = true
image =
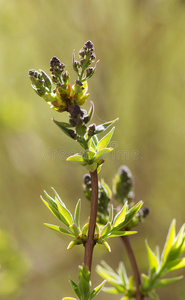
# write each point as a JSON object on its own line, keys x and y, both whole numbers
{"x": 123, "y": 184}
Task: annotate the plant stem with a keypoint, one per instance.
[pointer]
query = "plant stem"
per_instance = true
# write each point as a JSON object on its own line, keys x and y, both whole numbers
{"x": 89, "y": 245}
{"x": 134, "y": 266}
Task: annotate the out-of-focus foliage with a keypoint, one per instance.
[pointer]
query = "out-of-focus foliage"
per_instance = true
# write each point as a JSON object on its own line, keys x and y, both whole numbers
{"x": 140, "y": 77}
{"x": 13, "y": 267}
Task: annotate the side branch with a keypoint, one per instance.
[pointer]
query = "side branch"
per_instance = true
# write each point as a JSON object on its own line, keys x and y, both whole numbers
{"x": 92, "y": 222}
{"x": 134, "y": 266}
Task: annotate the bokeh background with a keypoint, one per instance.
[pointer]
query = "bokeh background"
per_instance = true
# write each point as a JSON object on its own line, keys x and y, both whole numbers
{"x": 140, "y": 79}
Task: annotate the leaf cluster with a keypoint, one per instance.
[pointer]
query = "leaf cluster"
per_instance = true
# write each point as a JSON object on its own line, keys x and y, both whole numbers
{"x": 83, "y": 288}
{"x": 159, "y": 267}
{"x": 111, "y": 229}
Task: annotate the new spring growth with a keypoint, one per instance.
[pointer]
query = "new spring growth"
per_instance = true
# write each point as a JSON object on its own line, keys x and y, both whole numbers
{"x": 123, "y": 184}
{"x": 57, "y": 91}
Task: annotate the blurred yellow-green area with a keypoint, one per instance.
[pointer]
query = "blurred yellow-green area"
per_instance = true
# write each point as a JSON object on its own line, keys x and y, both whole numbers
{"x": 141, "y": 80}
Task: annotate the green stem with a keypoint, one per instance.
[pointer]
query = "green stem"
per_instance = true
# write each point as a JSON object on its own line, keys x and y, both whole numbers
{"x": 89, "y": 245}
{"x": 135, "y": 269}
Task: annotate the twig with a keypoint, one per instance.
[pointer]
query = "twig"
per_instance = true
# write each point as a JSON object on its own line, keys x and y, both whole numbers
{"x": 134, "y": 267}
{"x": 89, "y": 245}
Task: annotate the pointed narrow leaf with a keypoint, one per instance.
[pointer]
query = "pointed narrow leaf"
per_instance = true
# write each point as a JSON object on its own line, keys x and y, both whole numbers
{"x": 119, "y": 233}
{"x": 176, "y": 264}
{"x": 50, "y": 200}
{"x": 179, "y": 238}
{"x": 59, "y": 229}
{"x": 111, "y": 214}
{"x": 106, "y": 188}
{"x": 123, "y": 274}
{"x": 103, "y": 127}
{"x": 52, "y": 209}
{"x": 71, "y": 244}
{"x": 65, "y": 127}
{"x": 106, "y": 229}
{"x": 106, "y": 246}
{"x": 145, "y": 281}
{"x": 75, "y": 288}
{"x": 95, "y": 140}
{"x": 77, "y": 213}
{"x": 68, "y": 218}
{"x": 132, "y": 212}
{"x": 58, "y": 197}
{"x": 119, "y": 218}
{"x": 153, "y": 295}
{"x": 102, "y": 153}
{"x": 75, "y": 229}
{"x": 167, "y": 281}
{"x": 90, "y": 112}
{"x": 153, "y": 262}
{"x": 77, "y": 158}
{"x": 97, "y": 289}
{"x": 103, "y": 143}
{"x": 169, "y": 241}
{"x": 111, "y": 290}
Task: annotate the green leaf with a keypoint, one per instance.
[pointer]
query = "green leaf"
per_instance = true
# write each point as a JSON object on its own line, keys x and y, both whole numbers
{"x": 85, "y": 229}
{"x": 175, "y": 264}
{"x": 153, "y": 295}
{"x": 90, "y": 112}
{"x": 153, "y": 261}
{"x": 119, "y": 218}
{"x": 106, "y": 246}
{"x": 68, "y": 298}
{"x": 111, "y": 290}
{"x": 84, "y": 282}
{"x": 132, "y": 212}
{"x": 95, "y": 140}
{"x": 102, "y": 153}
{"x": 65, "y": 127}
{"x": 75, "y": 288}
{"x": 123, "y": 274}
{"x": 145, "y": 281}
{"x": 106, "y": 229}
{"x": 167, "y": 281}
{"x": 103, "y": 127}
{"x": 179, "y": 238}
{"x": 92, "y": 167}
{"x": 59, "y": 229}
{"x": 119, "y": 233}
{"x": 103, "y": 143}
{"x": 58, "y": 197}
{"x": 52, "y": 209}
{"x": 77, "y": 213}
{"x": 75, "y": 229}
{"x": 111, "y": 214}
{"x": 68, "y": 218}
{"x": 88, "y": 156}
{"x": 47, "y": 80}
{"x": 77, "y": 158}
{"x": 97, "y": 289}
{"x": 106, "y": 189}
{"x": 71, "y": 244}
{"x": 169, "y": 241}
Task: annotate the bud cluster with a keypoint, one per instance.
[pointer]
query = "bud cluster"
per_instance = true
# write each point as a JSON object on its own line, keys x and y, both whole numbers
{"x": 40, "y": 82}
{"x": 123, "y": 184}
{"x": 87, "y": 56}
{"x": 56, "y": 69}
{"x": 56, "y": 90}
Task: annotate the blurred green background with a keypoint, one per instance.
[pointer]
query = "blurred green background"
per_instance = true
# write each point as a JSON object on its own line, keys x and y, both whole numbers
{"x": 140, "y": 79}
